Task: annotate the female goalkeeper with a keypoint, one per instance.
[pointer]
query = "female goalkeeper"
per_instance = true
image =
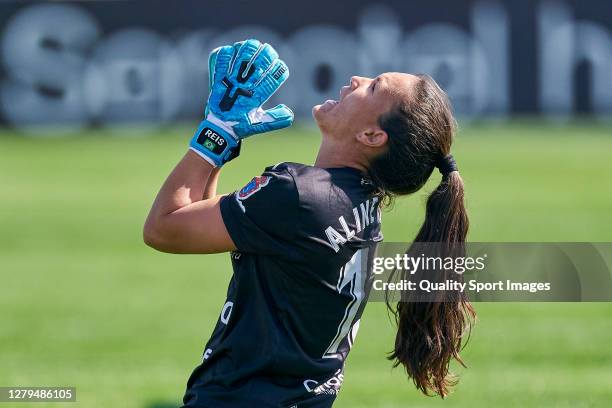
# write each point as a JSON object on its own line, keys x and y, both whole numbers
{"x": 301, "y": 236}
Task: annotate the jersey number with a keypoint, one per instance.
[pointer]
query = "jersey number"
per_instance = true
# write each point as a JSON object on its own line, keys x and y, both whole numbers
{"x": 352, "y": 279}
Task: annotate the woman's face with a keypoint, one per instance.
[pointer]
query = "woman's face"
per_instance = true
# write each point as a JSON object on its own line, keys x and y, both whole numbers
{"x": 361, "y": 103}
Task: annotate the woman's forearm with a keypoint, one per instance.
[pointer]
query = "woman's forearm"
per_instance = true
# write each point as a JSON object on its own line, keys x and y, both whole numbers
{"x": 186, "y": 214}
{"x": 193, "y": 179}
{"x": 210, "y": 190}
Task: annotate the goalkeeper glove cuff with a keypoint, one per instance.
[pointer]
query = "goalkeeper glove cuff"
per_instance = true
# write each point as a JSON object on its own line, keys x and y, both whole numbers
{"x": 215, "y": 141}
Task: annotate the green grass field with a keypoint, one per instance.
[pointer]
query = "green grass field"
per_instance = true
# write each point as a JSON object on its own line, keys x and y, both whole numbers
{"x": 84, "y": 303}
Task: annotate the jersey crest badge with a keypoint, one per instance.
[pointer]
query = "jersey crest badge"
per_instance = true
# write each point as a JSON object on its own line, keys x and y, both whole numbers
{"x": 253, "y": 186}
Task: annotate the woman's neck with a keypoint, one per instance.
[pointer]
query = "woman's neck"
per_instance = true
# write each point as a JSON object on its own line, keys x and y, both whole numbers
{"x": 333, "y": 154}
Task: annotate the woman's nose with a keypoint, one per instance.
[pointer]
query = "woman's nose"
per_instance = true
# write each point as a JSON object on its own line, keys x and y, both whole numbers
{"x": 356, "y": 81}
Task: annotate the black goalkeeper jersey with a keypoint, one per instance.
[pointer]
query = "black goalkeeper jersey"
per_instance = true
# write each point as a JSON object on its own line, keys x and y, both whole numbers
{"x": 305, "y": 239}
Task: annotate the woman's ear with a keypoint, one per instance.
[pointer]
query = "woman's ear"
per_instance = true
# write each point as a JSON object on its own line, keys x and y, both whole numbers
{"x": 373, "y": 137}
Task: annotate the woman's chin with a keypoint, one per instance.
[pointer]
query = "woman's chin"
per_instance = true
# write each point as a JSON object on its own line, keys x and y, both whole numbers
{"x": 318, "y": 112}
{"x": 315, "y": 109}
{"x": 321, "y": 118}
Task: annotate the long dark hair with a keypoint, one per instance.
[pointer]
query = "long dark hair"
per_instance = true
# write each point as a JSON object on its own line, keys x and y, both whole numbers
{"x": 430, "y": 333}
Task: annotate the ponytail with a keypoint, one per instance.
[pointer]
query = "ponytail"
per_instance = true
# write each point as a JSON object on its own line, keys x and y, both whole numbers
{"x": 430, "y": 331}
{"x": 430, "y": 334}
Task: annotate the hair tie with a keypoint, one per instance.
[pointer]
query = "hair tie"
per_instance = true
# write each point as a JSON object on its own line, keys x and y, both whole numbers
{"x": 446, "y": 164}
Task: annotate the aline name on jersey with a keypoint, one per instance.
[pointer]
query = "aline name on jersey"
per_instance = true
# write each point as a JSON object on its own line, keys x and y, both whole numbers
{"x": 363, "y": 215}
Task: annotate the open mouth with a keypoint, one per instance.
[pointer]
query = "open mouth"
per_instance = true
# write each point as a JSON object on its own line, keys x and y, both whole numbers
{"x": 329, "y": 104}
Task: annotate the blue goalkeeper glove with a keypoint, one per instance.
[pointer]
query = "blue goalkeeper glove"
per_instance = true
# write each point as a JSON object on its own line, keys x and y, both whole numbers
{"x": 242, "y": 78}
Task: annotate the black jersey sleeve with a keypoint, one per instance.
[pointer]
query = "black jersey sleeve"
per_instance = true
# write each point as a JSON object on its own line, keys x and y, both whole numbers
{"x": 261, "y": 217}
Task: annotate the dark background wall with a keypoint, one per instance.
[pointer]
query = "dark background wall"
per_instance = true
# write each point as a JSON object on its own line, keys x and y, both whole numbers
{"x": 81, "y": 63}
